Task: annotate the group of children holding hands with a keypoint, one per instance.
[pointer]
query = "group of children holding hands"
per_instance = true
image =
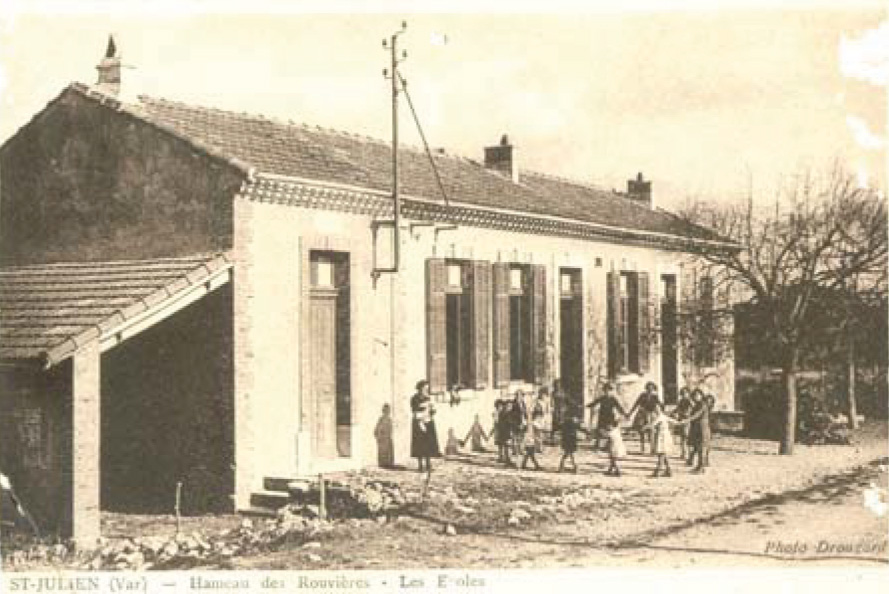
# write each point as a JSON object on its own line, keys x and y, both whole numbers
{"x": 520, "y": 426}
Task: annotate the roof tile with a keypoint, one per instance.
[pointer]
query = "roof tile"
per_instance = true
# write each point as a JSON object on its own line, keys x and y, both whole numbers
{"x": 43, "y": 306}
{"x": 293, "y": 150}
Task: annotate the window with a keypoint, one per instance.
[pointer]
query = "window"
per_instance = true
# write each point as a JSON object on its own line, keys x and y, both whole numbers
{"x": 571, "y": 334}
{"x": 669, "y": 339}
{"x": 706, "y": 334}
{"x": 628, "y": 322}
{"x": 457, "y": 323}
{"x": 629, "y": 352}
{"x": 520, "y": 356}
{"x": 519, "y": 323}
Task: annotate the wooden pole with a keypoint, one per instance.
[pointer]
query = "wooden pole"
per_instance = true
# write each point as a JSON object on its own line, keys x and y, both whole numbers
{"x": 177, "y": 508}
{"x": 322, "y": 506}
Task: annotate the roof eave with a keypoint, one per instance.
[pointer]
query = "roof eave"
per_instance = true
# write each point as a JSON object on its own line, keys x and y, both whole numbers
{"x": 129, "y": 321}
{"x": 669, "y": 240}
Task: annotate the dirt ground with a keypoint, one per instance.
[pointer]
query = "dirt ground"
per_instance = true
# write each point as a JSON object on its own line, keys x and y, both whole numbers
{"x": 752, "y": 506}
{"x": 749, "y": 498}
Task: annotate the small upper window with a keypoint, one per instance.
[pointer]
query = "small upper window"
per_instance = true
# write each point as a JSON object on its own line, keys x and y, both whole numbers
{"x": 517, "y": 279}
{"x": 322, "y": 272}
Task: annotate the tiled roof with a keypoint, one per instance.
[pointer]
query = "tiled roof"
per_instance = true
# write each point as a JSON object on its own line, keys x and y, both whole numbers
{"x": 47, "y": 311}
{"x": 301, "y": 151}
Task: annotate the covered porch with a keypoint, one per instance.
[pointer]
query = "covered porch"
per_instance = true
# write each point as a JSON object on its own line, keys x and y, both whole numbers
{"x": 117, "y": 385}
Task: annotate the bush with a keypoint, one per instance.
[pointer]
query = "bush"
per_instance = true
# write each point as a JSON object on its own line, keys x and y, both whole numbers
{"x": 815, "y": 423}
{"x": 819, "y": 406}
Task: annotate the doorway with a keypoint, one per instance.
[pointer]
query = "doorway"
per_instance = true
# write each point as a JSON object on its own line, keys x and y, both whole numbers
{"x": 329, "y": 383}
{"x": 571, "y": 334}
{"x": 669, "y": 332}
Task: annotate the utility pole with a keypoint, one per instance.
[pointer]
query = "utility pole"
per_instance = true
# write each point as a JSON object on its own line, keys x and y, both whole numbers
{"x": 391, "y": 45}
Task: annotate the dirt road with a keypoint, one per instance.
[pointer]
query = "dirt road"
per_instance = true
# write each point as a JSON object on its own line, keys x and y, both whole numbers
{"x": 827, "y": 523}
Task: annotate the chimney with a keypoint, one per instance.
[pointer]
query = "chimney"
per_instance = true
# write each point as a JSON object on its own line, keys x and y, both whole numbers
{"x": 502, "y": 158}
{"x": 639, "y": 189}
{"x": 109, "y": 70}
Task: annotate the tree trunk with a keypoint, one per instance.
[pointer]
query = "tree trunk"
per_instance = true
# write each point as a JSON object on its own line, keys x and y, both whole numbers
{"x": 789, "y": 371}
{"x": 853, "y": 405}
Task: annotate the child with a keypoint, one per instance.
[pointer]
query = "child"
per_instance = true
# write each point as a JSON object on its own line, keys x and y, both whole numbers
{"x": 707, "y": 432}
{"x": 682, "y": 411}
{"x": 532, "y": 439}
{"x": 503, "y": 431}
{"x": 542, "y": 407}
{"x": 616, "y": 448}
{"x": 570, "y": 427}
{"x": 519, "y": 420}
{"x": 662, "y": 441}
{"x": 557, "y": 407}
{"x": 647, "y": 405}
{"x": 608, "y": 406}
{"x": 698, "y": 431}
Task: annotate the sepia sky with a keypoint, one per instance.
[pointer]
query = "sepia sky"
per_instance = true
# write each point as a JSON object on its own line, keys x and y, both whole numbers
{"x": 701, "y": 101}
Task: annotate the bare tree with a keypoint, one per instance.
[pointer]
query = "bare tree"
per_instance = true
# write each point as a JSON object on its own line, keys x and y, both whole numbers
{"x": 820, "y": 233}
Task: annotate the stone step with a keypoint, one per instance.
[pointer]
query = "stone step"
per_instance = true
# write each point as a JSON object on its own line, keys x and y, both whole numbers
{"x": 285, "y": 484}
{"x": 272, "y": 500}
{"x": 258, "y": 512}
{"x": 274, "y": 483}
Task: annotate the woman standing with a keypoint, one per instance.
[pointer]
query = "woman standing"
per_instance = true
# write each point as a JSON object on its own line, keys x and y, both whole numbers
{"x": 424, "y": 439}
{"x": 647, "y": 405}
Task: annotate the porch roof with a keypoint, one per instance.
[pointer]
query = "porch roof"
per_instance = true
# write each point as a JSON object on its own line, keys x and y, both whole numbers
{"x": 48, "y": 311}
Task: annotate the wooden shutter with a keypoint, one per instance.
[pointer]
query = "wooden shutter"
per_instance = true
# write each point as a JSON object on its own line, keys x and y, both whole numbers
{"x": 615, "y": 328}
{"x": 643, "y": 324}
{"x": 436, "y": 330}
{"x": 501, "y": 324}
{"x": 480, "y": 326}
{"x": 538, "y": 323}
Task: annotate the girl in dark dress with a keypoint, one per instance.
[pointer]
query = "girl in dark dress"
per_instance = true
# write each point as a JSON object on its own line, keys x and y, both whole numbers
{"x": 558, "y": 409}
{"x": 570, "y": 427}
{"x": 699, "y": 431}
{"x": 503, "y": 431}
{"x": 424, "y": 439}
{"x": 519, "y": 422}
{"x": 648, "y": 405}
{"x": 682, "y": 412}
{"x": 608, "y": 406}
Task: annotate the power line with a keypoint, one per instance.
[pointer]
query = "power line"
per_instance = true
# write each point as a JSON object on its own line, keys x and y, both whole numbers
{"x": 410, "y": 104}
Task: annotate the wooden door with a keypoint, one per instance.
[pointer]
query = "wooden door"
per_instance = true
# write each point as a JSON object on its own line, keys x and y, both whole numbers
{"x": 669, "y": 340}
{"x": 323, "y": 371}
{"x": 571, "y": 348}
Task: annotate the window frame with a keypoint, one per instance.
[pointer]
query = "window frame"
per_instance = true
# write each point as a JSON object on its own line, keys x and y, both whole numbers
{"x": 629, "y": 303}
{"x": 523, "y": 338}
{"x": 463, "y": 325}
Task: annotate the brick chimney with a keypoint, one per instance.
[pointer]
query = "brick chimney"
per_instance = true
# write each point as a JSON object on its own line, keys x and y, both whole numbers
{"x": 502, "y": 158}
{"x": 639, "y": 189}
{"x": 109, "y": 70}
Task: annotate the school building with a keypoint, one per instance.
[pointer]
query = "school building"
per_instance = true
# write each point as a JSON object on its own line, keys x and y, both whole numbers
{"x": 195, "y": 296}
